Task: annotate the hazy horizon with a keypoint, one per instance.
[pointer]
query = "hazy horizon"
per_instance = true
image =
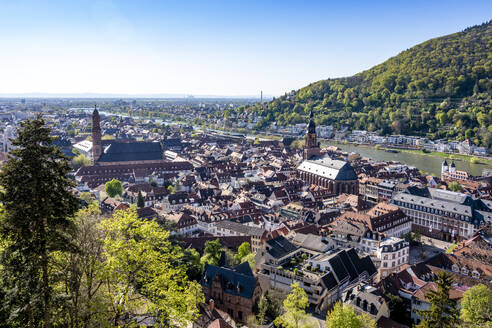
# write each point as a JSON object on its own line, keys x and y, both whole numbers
{"x": 209, "y": 49}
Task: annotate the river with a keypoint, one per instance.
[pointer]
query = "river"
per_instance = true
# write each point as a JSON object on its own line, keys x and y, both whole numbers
{"x": 427, "y": 163}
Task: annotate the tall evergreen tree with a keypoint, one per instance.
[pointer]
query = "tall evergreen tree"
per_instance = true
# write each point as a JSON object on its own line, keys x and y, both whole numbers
{"x": 140, "y": 200}
{"x": 36, "y": 222}
{"x": 443, "y": 312}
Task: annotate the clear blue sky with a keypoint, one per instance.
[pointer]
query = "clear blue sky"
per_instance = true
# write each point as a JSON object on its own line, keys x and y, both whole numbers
{"x": 210, "y": 47}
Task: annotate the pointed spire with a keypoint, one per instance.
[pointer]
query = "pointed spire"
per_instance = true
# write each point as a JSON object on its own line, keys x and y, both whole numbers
{"x": 311, "y": 127}
{"x": 95, "y": 109}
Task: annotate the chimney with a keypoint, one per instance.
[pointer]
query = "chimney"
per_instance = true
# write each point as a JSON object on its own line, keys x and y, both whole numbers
{"x": 211, "y": 305}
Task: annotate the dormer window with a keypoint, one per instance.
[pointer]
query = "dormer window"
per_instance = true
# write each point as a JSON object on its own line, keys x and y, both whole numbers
{"x": 455, "y": 268}
{"x": 373, "y": 309}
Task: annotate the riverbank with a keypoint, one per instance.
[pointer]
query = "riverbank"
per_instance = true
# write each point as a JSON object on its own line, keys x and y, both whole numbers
{"x": 451, "y": 156}
{"x": 465, "y": 160}
{"x": 469, "y": 158}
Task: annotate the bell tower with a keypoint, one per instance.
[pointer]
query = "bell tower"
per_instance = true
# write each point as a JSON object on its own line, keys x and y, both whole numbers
{"x": 311, "y": 145}
{"x": 96, "y": 136}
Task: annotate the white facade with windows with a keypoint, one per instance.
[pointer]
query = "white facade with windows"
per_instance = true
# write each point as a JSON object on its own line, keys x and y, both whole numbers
{"x": 393, "y": 253}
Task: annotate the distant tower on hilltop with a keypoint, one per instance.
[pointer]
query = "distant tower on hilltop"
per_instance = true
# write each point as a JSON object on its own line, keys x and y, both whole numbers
{"x": 311, "y": 146}
{"x": 96, "y": 136}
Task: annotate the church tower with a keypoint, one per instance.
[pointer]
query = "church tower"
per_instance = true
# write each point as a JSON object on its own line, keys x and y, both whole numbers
{"x": 311, "y": 146}
{"x": 96, "y": 136}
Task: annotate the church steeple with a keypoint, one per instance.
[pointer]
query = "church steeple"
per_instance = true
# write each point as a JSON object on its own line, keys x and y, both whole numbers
{"x": 96, "y": 136}
{"x": 311, "y": 147}
{"x": 311, "y": 128}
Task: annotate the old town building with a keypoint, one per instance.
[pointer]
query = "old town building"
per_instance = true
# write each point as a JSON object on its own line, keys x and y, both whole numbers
{"x": 337, "y": 176}
{"x": 443, "y": 214}
{"x": 393, "y": 253}
{"x": 122, "y": 152}
{"x": 233, "y": 290}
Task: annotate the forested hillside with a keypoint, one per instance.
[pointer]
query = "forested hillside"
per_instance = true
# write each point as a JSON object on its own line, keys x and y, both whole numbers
{"x": 440, "y": 89}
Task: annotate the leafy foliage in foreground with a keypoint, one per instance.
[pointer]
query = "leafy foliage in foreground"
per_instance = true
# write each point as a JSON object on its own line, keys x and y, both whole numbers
{"x": 476, "y": 306}
{"x": 144, "y": 274}
{"x": 295, "y": 305}
{"x": 344, "y": 316}
{"x": 60, "y": 267}
{"x": 440, "y": 88}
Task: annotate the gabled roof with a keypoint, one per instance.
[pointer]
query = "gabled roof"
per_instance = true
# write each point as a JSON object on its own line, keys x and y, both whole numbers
{"x": 235, "y": 281}
{"x": 219, "y": 323}
{"x": 354, "y": 258}
{"x": 132, "y": 151}
{"x": 329, "y": 281}
{"x": 311, "y": 242}
{"x": 351, "y": 269}
{"x": 329, "y": 168}
{"x": 338, "y": 268}
{"x": 420, "y": 294}
{"x": 367, "y": 265}
{"x": 280, "y": 247}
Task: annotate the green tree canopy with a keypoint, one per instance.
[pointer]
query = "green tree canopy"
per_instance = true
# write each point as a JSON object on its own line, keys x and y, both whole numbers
{"x": 144, "y": 272}
{"x": 294, "y": 309}
{"x": 455, "y": 186}
{"x": 36, "y": 222}
{"x": 212, "y": 253}
{"x": 243, "y": 250}
{"x": 85, "y": 302}
{"x": 80, "y": 160}
{"x": 344, "y": 316}
{"x": 476, "y": 306}
{"x": 113, "y": 188}
{"x": 250, "y": 258}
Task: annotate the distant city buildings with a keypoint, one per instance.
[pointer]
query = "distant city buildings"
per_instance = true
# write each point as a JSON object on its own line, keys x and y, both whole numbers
{"x": 9, "y": 134}
{"x": 444, "y": 214}
{"x": 337, "y": 223}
